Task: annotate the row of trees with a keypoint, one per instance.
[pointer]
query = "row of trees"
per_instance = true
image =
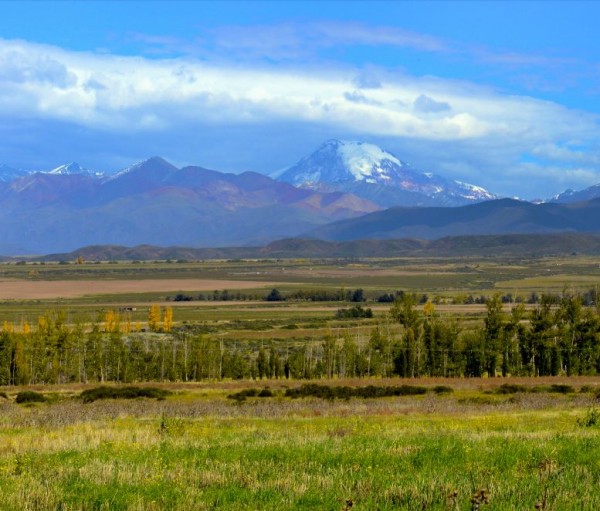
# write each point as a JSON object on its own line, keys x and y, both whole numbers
{"x": 410, "y": 341}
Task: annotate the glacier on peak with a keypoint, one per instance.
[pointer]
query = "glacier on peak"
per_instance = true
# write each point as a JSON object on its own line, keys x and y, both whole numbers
{"x": 363, "y": 159}
{"x": 375, "y": 174}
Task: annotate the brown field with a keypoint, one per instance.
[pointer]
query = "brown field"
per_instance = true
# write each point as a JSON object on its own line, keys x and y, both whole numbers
{"x": 39, "y": 290}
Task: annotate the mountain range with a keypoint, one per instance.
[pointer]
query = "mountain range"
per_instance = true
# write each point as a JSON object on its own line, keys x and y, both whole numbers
{"x": 155, "y": 202}
{"x": 506, "y": 245}
{"x": 502, "y": 216}
{"x": 339, "y": 192}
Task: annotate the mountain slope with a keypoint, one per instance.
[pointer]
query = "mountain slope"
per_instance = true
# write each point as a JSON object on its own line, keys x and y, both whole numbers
{"x": 570, "y": 196}
{"x": 155, "y": 202}
{"x": 372, "y": 173}
{"x": 8, "y": 173}
{"x": 493, "y": 217}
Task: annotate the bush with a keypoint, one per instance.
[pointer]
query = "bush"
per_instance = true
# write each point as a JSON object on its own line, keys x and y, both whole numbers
{"x": 29, "y": 396}
{"x": 510, "y": 388}
{"x": 91, "y": 395}
{"x": 246, "y": 393}
{"x": 370, "y": 391}
{"x": 443, "y": 389}
{"x": 591, "y": 419}
{"x": 561, "y": 389}
{"x": 180, "y": 297}
{"x": 4, "y": 395}
{"x": 355, "y": 312}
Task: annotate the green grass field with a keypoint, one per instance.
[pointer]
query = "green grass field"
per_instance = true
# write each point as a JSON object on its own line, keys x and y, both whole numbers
{"x": 197, "y": 450}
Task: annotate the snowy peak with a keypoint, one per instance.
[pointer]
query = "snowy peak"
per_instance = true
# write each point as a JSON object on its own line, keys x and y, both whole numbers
{"x": 73, "y": 168}
{"x": 155, "y": 169}
{"x": 373, "y": 173}
{"x": 338, "y": 161}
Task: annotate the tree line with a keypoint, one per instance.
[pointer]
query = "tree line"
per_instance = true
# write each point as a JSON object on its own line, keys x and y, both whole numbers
{"x": 552, "y": 338}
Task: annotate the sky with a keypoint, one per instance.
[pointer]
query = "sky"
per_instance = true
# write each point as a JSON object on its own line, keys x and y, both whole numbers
{"x": 505, "y": 95}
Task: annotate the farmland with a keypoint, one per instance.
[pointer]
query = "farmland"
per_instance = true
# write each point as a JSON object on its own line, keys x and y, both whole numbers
{"x": 474, "y": 443}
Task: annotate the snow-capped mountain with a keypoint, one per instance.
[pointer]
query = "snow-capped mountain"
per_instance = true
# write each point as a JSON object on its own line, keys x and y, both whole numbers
{"x": 8, "y": 173}
{"x": 72, "y": 169}
{"x": 156, "y": 202}
{"x": 372, "y": 173}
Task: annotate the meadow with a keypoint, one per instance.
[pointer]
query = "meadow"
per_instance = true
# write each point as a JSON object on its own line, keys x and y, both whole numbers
{"x": 467, "y": 449}
{"x": 474, "y": 443}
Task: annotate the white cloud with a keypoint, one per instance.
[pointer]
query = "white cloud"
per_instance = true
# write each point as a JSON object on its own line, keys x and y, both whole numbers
{"x": 115, "y": 91}
{"x": 120, "y": 94}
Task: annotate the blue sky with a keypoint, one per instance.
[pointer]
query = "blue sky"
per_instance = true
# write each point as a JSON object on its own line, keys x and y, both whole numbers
{"x": 505, "y": 95}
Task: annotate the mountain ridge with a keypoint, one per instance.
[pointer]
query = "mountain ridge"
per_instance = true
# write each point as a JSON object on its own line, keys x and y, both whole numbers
{"x": 503, "y": 216}
{"x": 508, "y": 245}
{"x": 155, "y": 202}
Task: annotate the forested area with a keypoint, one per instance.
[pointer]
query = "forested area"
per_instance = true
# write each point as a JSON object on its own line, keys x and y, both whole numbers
{"x": 552, "y": 338}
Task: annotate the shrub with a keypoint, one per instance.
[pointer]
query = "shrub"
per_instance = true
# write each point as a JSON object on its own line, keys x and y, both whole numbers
{"x": 29, "y": 396}
{"x": 561, "y": 388}
{"x": 355, "y": 312}
{"x": 370, "y": 391}
{"x": 91, "y": 395}
{"x": 591, "y": 419}
{"x": 443, "y": 389}
{"x": 4, "y": 395}
{"x": 246, "y": 393}
{"x": 510, "y": 388}
{"x": 180, "y": 297}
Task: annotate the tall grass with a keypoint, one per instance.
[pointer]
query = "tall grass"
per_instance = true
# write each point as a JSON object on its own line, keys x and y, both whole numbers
{"x": 427, "y": 452}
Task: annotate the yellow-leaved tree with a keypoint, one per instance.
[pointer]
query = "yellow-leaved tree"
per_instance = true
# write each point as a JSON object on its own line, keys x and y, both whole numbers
{"x": 154, "y": 318}
{"x": 168, "y": 319}
{"x": 112, "y": 321}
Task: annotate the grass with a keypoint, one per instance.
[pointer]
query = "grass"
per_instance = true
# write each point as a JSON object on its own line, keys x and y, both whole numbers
{"x": 194, "y": 452}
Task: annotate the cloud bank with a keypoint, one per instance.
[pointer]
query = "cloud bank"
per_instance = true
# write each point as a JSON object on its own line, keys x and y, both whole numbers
{"x": 479, "y": 133}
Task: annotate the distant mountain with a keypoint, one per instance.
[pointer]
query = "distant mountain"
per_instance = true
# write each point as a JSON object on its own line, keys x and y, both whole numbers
{"x": 505, "y": 216}
{"x": 507, "y": 245}
{"x": 8, "y": 173}
{"x": 155, "y": 202}
{"x": 569, "y": 196}
{"x": 370, "y": 172}
{"x": 73, "y": 168}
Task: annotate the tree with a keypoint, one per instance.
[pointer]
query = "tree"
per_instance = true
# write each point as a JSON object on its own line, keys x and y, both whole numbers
{"x": 168, "y": 319}
{"x": 154, "y": 318}
{"x": 275, "y": 296}
{"x": 492, "y": 333}
{"x": 275, "y": 369}
{"x": 408, "y": 356}
{"x": 262, "y": 363}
